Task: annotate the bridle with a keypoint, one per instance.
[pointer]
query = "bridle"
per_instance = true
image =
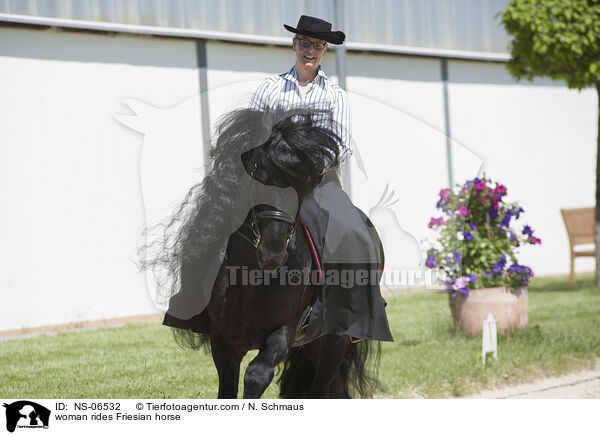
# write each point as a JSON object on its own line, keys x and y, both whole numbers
{"x": 255, "y": 218}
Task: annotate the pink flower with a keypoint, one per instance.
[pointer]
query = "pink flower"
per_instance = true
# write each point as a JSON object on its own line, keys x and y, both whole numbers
{"x": 463, "y": 211}
{"x": 436, "y": 221}
{"x": 445, "y": 194}
{"x": 480, "y": 185}
{"x": 501, "y": 189}
{"x": 462, "y": 281}
{"x": 535, "y": 240}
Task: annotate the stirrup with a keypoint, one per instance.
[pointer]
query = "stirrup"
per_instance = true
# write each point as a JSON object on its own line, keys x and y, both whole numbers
{"x": 302, "y": 326}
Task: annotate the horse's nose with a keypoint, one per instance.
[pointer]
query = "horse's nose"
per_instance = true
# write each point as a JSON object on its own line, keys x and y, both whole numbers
{"x": 271, "y": 261}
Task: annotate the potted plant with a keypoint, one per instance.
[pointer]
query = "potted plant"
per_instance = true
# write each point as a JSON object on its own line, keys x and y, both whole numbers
{"x": 475, "y": 251}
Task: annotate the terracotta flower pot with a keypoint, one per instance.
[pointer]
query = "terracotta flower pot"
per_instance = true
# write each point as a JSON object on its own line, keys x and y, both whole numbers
{"x": 509, "y": 308}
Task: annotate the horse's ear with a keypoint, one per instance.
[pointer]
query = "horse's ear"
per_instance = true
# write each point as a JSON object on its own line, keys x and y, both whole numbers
{"x": 5, "y": 405}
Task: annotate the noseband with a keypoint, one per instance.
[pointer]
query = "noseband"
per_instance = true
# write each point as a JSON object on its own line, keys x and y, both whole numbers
{"x": 256, "y": 216}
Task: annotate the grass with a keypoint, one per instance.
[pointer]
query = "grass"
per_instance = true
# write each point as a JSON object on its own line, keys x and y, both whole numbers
{"x": 427, "y": 359}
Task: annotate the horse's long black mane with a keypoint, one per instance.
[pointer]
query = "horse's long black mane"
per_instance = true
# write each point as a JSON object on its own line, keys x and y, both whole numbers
{"x": 288, "y": 147}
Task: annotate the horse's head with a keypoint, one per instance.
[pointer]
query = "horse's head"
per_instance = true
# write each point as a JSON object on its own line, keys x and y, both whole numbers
{"x": 273, "y": 229}
{"x": 295, "y": 155}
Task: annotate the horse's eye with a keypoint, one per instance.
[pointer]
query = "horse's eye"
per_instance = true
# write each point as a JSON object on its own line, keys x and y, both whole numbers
{"x": 261, "y": 175}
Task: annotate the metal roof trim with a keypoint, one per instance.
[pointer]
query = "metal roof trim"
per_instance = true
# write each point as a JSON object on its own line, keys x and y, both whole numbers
{"x": 245, "y": 38}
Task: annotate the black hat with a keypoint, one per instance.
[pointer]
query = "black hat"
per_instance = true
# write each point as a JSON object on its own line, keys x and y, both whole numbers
{"x": 317, "y": 28}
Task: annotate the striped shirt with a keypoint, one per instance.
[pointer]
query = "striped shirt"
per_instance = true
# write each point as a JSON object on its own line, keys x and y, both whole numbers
{"x": 282, "y": 91}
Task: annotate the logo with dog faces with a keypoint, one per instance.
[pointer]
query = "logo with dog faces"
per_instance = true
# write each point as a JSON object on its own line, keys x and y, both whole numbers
{"x": 25, "y": 414}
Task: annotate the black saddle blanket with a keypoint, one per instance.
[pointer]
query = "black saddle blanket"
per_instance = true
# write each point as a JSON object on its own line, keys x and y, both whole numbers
{"x": 349, "y": 249}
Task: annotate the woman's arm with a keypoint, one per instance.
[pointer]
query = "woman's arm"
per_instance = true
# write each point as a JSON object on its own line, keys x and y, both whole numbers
{"x": 342, "y": 119}
{"x": 260, "y": 99}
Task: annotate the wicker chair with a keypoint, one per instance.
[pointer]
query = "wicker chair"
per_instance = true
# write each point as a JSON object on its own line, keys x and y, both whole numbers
{"x": 580, "y": 229}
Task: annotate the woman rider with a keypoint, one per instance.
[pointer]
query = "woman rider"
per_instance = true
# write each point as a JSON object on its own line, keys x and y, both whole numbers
{"x": 345, "y": 239}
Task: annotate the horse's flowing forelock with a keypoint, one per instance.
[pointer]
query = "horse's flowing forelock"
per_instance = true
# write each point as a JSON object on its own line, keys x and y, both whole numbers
{"x": 298, "y": 151}
{"x": 292, "y": 150}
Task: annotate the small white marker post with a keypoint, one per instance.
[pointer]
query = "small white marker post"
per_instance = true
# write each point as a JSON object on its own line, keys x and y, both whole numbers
{"x": 489, "y": 341}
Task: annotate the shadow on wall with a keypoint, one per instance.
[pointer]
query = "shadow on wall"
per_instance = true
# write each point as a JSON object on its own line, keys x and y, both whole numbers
{"x": 95, "y": 47}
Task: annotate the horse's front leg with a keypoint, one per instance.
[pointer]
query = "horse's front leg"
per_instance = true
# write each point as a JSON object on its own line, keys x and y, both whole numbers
{"x": 227, "y": 361}
{"x": 261, "y": 370}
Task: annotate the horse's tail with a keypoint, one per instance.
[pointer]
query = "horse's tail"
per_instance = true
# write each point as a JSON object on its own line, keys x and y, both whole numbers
{"x": 187, "y": 339}
{"x": 358, "y": 370}
{"x": 297, "y": 374}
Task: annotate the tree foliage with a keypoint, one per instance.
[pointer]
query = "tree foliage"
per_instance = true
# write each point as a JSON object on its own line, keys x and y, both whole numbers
{"x": 555, "y": 38}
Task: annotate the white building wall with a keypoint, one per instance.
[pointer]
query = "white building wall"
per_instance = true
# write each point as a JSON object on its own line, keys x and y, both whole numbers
{"x": 79, "y": 177}
{"x": 72, "y": 205}
{"x": 539, "y": 139}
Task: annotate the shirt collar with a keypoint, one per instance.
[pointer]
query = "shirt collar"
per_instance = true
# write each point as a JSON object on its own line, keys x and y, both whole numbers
{"x": 292, "y": 76}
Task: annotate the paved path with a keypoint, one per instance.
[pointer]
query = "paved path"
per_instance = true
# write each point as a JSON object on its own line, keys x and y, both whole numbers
{"x": 581, "y": 385}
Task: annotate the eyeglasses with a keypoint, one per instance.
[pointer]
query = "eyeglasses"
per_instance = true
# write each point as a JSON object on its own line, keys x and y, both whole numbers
{"x": 305, "y": 43}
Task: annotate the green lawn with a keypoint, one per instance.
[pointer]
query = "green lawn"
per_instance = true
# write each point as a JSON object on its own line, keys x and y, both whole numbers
{"x": 428, "y": 358}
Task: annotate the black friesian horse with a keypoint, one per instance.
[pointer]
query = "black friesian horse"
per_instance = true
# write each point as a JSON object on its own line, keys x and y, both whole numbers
{"x": 247, "y": 209}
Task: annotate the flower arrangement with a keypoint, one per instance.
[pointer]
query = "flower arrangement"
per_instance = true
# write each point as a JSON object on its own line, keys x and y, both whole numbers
{"x": 476, "y": 238}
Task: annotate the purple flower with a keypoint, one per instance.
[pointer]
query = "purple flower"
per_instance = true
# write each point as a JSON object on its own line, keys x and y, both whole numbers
{"x": 472, "y": 278}
{"x": 463, "y": 211}
{"x": 535, "y": 240}
{"x": 514, "y": 268}
{"x": 431, "y": 261}
{"x": 493, "y": 213}
{"x": 472, "y": 226}
{"x": 516, "y": 211}
{"x": 459, "y": 284}
{"x": 457, "y": 256}
{"x": 467, "y": 235}
{"x": 462, "y": 285}
{"x": 520, "y": 273}
{"x": 505, "y": 222}
{"x": 497, "y": 268}
{"x": 450, "y": 284}
{"x": 527, "y": 230}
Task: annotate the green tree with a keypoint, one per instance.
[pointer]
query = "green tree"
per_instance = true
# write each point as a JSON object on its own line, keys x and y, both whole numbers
{"x": 559, "y": 39}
